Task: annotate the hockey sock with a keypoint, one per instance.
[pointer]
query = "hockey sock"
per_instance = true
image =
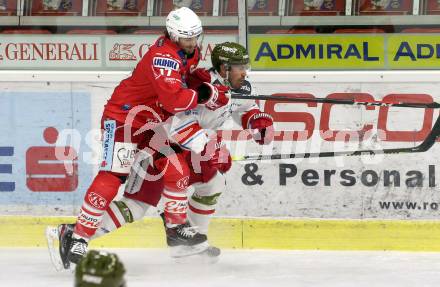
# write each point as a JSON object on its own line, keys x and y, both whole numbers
{"x": 98, "y": 197}
{"x": 119, "y": 213}
{"x": 175, "y": 206}
{"x": 201, "y": 208}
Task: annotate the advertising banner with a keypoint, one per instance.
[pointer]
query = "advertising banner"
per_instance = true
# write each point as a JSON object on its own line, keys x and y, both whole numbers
{"x": 50, "y": 145}
{"x": 344, "y": 51}
{"x": 86, "y": 52}
{"x": 49, "y": 152}
{"x": 383, "y": 186}
{"x": 268, "y": 52}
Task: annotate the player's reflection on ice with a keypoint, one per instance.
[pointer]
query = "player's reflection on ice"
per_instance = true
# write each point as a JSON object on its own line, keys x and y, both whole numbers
{"x": 238, "y": 268}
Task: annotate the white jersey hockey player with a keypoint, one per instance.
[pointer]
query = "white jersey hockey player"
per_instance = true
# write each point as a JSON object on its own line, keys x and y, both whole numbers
{"x": 201, "y": 159}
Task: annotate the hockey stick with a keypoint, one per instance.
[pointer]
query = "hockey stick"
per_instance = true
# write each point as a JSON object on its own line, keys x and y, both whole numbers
{"x": 424, "y": 146}
{"x": 433, "y": 105}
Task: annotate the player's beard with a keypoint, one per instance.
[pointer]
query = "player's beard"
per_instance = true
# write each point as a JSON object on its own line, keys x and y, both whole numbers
{"x": 237, "y": 83}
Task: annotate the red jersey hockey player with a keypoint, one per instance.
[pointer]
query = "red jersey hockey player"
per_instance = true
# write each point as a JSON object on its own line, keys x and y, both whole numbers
{"x": 230, "y": 63}
{"x": 131, "y": 120}
{"x": 191, "y": 130}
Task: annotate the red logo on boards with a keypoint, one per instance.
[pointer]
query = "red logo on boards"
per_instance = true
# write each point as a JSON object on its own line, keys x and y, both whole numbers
{"x": 51, "y": 168}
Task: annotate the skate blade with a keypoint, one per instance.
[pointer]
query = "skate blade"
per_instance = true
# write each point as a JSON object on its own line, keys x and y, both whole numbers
{"x": 183, "y": 251}
{"x": 187, "y": 254}
{"x": 52, "y": 238}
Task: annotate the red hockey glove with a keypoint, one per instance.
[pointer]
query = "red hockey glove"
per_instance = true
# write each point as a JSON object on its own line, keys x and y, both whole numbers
{"x": 261, "y": 125}
{"x": 213, "y": 96}
{"x": 214, "y": 157}
{"x": 220, "y": 158}
{"x": 197, "y": 77}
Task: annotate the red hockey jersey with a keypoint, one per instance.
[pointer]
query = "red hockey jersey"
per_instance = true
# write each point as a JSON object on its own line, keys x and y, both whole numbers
{"x": 156, "y": 86}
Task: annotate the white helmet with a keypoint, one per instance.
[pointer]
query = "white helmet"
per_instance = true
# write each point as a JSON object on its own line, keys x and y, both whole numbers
{"x": 183, "y": 23}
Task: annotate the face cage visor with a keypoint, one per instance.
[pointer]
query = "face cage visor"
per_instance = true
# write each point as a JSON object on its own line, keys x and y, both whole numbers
{"x": 198, "y": 39}
{"x": 240, "y": 67}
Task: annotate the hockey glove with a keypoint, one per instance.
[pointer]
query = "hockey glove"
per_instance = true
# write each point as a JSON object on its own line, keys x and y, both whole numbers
{"x": 214, "y": 157}
{"x": 220, "y": 157}
{"x": 261, "y": 125}
{"x": 213, "y": 96}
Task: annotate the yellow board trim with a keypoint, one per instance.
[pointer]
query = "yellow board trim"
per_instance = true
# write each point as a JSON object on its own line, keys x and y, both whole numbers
{"x": 249, "y": 233}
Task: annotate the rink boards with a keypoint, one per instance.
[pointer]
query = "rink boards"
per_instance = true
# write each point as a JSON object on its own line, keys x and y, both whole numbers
{"x": 386, "y": 202}
{"x": 248, "y": 233}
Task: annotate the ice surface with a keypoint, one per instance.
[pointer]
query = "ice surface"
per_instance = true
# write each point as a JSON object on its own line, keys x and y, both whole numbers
{"x": 256, "y": 268}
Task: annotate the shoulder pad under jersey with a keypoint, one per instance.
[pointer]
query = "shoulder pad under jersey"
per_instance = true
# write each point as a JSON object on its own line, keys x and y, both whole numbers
{"x": 245, "y": 89}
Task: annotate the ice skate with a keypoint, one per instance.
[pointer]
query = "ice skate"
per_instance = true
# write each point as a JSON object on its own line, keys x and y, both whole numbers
{"x": 184, "y": 240}
{"x": 59, "y": 240}
{"x": 78, "y": 250}
{"x": 188, "y": 245}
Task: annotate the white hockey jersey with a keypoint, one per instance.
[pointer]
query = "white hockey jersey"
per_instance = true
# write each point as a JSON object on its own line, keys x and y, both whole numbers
{"x": 191, "y": 129}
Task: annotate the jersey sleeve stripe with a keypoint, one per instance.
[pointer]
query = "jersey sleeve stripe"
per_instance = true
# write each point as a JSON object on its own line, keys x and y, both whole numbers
{"x": 184, "y": 134}
{"x": 178, "y": 129}
{"x": 190, "y": 139}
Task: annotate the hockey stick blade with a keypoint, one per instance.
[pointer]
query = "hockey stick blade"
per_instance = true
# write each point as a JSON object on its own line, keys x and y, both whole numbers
{"x": 424, "y": 146}
{"x": 433, "y": 105}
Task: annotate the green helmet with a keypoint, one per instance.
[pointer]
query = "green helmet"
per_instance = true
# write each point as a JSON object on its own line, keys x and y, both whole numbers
{"x": 229, "y": 53}
{"x": 99, "y": 268}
